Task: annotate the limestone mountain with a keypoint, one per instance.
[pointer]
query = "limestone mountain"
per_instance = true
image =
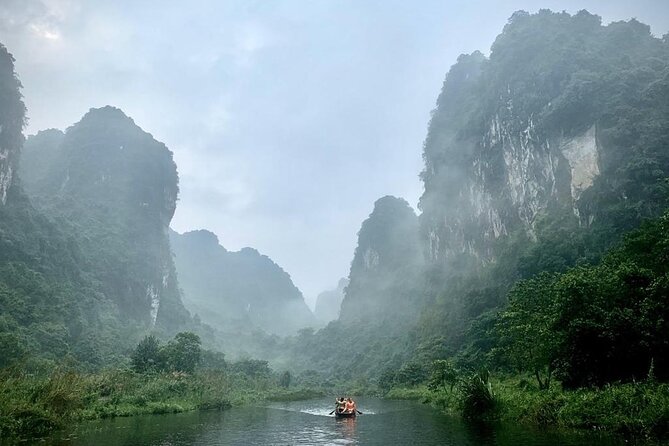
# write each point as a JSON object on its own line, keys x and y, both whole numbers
{"x": 537, "y": 158}
{"x": 50, "y": 307}
{"x": 115, "y": 188}
{"x": 385, "y": 267}
{"x": 566, "y": 117}
{"x": 243, "y": 288}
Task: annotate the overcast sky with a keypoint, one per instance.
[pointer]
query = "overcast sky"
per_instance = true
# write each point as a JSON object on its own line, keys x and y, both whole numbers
{"x": 287, "y": 119}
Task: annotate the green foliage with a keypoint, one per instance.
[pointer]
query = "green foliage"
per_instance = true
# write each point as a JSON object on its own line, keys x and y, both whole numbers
{"x": 213, "y": 360}
{"x": 443, "y": 374}
{"x": 34, "y": 404}
{"x": 525, "y": 328}
{"x": 387, "y": 379}
{"x": 251, "y": 367}
{"x": 478, "y": 399}
{"x": 411, "y": 374}
{"x": 148, "y": 357}
{"x": 183, "y": 353}
{"x": 285, "y": 379}
{"x": 634, "y": 409}
{"x": 595, "y": 324}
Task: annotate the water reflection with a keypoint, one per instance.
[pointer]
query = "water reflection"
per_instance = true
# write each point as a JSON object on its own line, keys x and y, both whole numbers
{"x": 345, "y": 428}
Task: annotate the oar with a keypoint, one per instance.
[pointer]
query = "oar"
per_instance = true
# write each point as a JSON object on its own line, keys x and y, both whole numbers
{"x": 332, "y": 412}
{"x": 358, "y": 411}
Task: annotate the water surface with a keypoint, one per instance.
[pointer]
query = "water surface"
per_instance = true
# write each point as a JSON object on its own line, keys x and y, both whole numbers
{"x": 384, "y": 422}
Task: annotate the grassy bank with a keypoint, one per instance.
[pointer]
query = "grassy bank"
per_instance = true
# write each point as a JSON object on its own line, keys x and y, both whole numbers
{"x": 35, "y": 405}
{"x": 638, "y": 410}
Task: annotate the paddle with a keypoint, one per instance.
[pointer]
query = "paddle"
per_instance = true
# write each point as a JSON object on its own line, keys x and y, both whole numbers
{"x": 358, "y": 411}
{"x": 332, "y": 412}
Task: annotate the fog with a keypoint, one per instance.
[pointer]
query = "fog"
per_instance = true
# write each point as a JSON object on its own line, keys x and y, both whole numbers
{"x": 287, "y": 119}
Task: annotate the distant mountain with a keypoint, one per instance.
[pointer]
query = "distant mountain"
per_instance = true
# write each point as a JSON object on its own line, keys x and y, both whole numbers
{"x": 328, "y": 303}
{"x": 237, "y": 288}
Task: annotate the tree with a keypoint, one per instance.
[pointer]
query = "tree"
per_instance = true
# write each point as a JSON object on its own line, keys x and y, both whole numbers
{"x": 184, "y": 352}
{"x": 252, "y": 367}
{"x": 443, "y": 373}
{"x": 147, "y": 356}
{"x": 411, "y": 374}
{"x": 284, "y": 380}
{"x": 525, "y": 327}
{"x": 213, "y": 360}
{"x": 387, "y": 379}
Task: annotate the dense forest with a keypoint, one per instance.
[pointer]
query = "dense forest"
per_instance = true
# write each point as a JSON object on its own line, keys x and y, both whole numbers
{"x": 538, "y": 258}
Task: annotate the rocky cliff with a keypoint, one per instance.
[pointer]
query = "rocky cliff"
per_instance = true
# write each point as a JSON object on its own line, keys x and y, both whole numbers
{"x": 563, "y": 116}
{"x": 12, "y": 117}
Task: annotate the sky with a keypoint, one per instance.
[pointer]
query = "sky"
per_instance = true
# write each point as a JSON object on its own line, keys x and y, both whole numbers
{"x": 287, "y": 118}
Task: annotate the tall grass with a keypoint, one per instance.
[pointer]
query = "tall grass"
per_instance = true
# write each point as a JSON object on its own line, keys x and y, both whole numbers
{"x": 33, "y": 405}
{"x": 636, "y": 410}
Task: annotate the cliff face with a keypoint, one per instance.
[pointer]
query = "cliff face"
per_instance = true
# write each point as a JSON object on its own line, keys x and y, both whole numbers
{"x": 242, "y": 289}
{"x": 550, "y": 123}
{"x": 117, "y": 187}
{"x": 385, "y": 266}
{"x": 12, "y": 117}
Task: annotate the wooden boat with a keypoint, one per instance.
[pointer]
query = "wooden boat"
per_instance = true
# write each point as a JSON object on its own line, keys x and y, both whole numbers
{"x": 344, "y": 414}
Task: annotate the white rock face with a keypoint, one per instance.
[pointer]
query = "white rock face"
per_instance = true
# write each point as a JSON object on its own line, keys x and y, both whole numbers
{"x": 371, "y": 258}
{"x": 5, "y": 181}
{"x": 485, "y": 210}
{"x": 582, "y": 155}
{"x": 6, "y": 172}
{"x": 154, "y": 301}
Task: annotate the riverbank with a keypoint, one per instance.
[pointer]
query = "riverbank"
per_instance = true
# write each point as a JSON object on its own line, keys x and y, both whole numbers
{"x": 35, "y": 405}
{"x": 639, "y": 410}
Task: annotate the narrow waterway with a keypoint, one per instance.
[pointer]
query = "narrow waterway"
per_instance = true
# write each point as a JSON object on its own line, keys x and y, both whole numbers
{"x": 383, "y": 422}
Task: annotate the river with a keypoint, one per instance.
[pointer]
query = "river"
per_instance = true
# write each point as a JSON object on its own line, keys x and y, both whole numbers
{"x": 384, "y": 422}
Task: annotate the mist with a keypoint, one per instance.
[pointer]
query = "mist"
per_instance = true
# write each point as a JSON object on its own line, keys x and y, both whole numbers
{"x": 287, "y": 119}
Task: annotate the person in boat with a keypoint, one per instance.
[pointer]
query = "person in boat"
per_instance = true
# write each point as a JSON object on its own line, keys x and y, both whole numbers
{"x": 350, "y": 405}
{"x": 340, "y": 405}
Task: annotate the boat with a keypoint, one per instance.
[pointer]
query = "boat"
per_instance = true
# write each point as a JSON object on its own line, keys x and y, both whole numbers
{"x": 344, "y": 414}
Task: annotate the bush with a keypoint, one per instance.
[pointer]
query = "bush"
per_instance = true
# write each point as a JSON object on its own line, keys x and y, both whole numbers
{"x": 478, "y": 400}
